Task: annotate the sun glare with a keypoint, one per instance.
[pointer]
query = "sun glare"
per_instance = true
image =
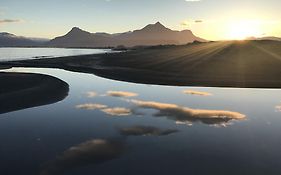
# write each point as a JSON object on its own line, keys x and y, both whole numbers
{"x": 241, "y": 30}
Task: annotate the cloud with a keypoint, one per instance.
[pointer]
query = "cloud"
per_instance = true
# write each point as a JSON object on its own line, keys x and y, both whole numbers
{"x": 184, "y": 23}
{"x": 184, "y": 115}
{"x": 91, "y": 106}
{"x": 3, "y": 21}
{"x": 117, "y": 111}
{"x": 121, "y": 94}
{"x": 91, "y": 94}
{"x": 146, "y": 131}
{"x": 200, "y": 93}
{"x": 187, "y": 23}
{"x": 278, "y": 108}
{"x": 88, "y": 153}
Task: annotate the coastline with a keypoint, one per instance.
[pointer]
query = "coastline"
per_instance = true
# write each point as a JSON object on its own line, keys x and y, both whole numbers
{"x": 25, "y": 90}
{"x": 215, "y": 64}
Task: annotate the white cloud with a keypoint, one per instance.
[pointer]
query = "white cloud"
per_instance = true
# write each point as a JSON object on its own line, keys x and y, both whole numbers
{"x": 91, "y": 94}
{"x": 91, "y": 106}
{"x": 200, "y": 93}
{"x": 91, "y": 152}
{"x": 117, "y": 111}
{"x": 2, "y": 21}
{"x": 121, "y": 94}
{"x": 187, "y": 115}
{"x": 278, "y": 108}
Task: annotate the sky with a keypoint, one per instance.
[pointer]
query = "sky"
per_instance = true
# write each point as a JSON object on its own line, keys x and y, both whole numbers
{"x": 209, "y": 19}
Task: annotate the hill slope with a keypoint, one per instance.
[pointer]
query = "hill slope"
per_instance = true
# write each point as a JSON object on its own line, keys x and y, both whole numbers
{"x": 220, "y": 64}
{"x": 10, "y": 40}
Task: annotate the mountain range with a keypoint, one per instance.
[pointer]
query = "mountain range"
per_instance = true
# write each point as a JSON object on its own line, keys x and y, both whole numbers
{"x": 10, "y": 40}
{"x": 152, "y": 34}
{"x": 271, "y": 38}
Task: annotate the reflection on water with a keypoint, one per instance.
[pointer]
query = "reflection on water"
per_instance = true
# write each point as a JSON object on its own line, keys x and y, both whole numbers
{"x": 200, "y": 93}
{"x": 108, "y": 127}
{"x": 11, "y": 54}
{"x": 180, "y": 114}
{"x": 91, "y": 106}
{"x": 91, "y": 152}
{"x": 146, "y": 131}
{"x": 186, "y": 115}
{"x": 91, "y": 94}
{"x": 278, "y": 108}
{"x": 121, "y": 94}
{"x": 116, "y": 111}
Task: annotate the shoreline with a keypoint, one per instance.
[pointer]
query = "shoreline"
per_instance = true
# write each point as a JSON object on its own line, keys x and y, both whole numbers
{"x": 26, "y": 90}
{"x": 216, "y": 64}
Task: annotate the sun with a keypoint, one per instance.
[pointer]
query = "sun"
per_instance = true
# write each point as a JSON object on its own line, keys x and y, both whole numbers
{"x": 241, "y": 30}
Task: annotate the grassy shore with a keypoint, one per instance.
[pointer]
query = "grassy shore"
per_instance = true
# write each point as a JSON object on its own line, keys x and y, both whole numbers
{"x": 249, "y": 64}
{"x": 24, "y": 90}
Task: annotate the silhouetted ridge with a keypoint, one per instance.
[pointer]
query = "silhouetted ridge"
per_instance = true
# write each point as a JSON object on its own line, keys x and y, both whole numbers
{"x": 77, "y": 31}
{"x": 152, "y": 34}
{"x": 157, "y": 27}
{"x": 11, "y": 40}
{"x": 6, "y": 34}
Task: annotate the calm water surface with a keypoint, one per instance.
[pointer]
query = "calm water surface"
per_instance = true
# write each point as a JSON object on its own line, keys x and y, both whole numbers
{"x": 11, "y": 54}
{"x": 143, "y": 130}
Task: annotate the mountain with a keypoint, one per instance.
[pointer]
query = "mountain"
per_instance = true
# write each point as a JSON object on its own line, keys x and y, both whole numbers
{"x": 11, "y": 40}
{"x": 271, "y": 38}
{"x": 152, "y": 34}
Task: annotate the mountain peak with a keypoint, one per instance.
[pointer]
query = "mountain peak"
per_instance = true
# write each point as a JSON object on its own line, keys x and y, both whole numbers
{"x": 157, "y": 27}
{"x": 158, "y": 23}
{"x": 6, "y": 34}
{"x": 76, "y": 31}
{"x": 152, "y": 34}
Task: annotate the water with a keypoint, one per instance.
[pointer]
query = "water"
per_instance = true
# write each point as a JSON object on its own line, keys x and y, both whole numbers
{"x": 11, "y": 54}
{"x": 87, "y": 134}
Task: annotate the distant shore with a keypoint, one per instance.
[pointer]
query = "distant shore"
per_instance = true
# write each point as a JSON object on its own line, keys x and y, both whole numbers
{"x": 24, "y": 90}
{"x": 242, "y": 64}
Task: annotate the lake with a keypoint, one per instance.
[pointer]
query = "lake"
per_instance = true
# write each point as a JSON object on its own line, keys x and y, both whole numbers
{"x": 12, "y": 54}
{"x": 108, "y": 127}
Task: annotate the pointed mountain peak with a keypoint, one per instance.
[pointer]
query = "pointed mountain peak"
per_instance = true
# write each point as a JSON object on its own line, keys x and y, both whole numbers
{"x": 159, "y": 24}
{"x": 75, "y": 31}
{"x": 157, "y": 27}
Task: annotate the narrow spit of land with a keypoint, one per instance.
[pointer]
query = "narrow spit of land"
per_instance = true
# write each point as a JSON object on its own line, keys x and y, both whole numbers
{"x": 24, "y": 90}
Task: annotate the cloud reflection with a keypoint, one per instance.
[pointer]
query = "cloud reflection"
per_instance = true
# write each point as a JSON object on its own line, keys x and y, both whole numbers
{"x": 278, "y": 108}
{"x": 146, "y": 131}
{"x": 91, "y": 106}
{"x": 117, "y": 111}
{"x": 88, "y": 153}
{"x": 121, "y": 94}
{"x": 184, "y": 115}
{"x": 91, "y": 94}
{"x": 200, "y": 93}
